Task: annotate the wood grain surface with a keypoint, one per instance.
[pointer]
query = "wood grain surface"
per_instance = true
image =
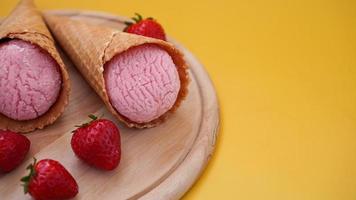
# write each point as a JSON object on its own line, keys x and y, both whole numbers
{"x": 157, "y": 163}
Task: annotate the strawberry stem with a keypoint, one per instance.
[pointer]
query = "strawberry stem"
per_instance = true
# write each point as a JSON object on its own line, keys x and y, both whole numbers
{"x": 137, "y": 18}
{"x": 26, "y": 179}
{"x": 92, "y": 117}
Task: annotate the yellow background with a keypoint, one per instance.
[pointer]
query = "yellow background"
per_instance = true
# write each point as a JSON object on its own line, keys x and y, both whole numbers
{"x": 285, "y": 72}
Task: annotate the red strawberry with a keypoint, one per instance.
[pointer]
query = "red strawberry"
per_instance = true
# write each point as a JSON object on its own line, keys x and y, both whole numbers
{"x": 13, "y": 149}
{"x": 49, "y": 180}
{"x": 147, "y": 27}
{"x": 98, "y": 143}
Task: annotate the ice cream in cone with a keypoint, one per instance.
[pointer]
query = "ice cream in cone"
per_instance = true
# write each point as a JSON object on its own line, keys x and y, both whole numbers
{"x": 141, "y": 80}
{"x": 34, "y": 84}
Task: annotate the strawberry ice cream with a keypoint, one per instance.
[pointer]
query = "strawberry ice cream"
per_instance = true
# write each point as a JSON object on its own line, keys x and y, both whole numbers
{"x": 142, "y": 83}
{"x": 30, "y": 81}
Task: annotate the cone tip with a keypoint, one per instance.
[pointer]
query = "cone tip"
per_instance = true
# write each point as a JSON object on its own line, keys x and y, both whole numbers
{"x": 52, "y": 19}
{"x": 26, "y": 3}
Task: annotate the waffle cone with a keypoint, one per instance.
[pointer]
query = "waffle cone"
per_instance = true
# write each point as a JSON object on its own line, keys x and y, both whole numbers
{"x": 90, "y": 46}
{"x": 26, "y": 23}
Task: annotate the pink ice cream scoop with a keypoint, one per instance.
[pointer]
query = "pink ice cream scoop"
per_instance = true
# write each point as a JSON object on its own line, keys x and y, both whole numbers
{"x": 142, "y": 82}
{"x": 30, "y": 80}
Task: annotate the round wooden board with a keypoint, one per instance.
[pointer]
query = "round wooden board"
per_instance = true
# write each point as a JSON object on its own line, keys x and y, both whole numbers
{"x": 157, "y": 163}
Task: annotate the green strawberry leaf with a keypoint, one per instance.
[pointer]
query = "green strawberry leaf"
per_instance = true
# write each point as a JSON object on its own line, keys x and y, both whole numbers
{"x": 26, "y": 179}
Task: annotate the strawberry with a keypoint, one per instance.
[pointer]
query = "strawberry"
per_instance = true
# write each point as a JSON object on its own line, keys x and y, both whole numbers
{"x": 148, "y": 27}
{"x": 98, "y": 143}
{"x": 49, "y": 180}
{"x": 13, "y": 149}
